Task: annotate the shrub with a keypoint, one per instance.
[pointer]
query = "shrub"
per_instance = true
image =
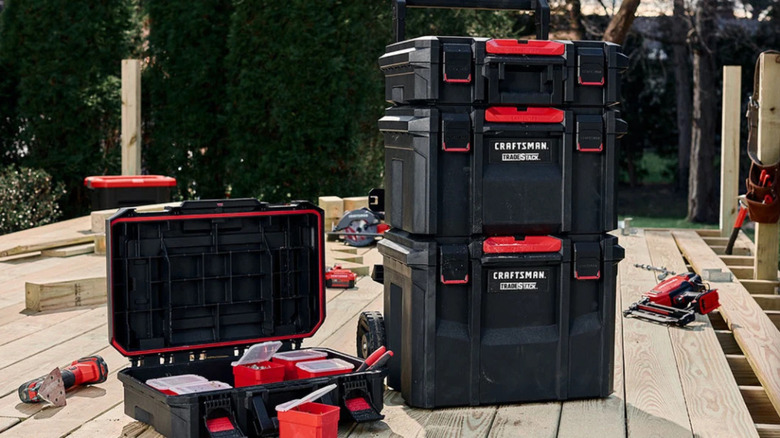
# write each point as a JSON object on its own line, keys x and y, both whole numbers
{"x": 28, "y": 199}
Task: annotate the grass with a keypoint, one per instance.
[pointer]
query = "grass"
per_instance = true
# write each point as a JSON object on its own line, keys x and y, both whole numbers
{"x": 664, "y": 222}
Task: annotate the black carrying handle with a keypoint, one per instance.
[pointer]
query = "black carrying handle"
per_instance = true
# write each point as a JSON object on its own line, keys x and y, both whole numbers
{"x": 540, "y": 7}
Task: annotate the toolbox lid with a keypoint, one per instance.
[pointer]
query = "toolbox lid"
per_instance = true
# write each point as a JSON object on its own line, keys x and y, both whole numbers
{"x": 325, "y": 366}
{"x": 293, "y": 356}
{"x": 209, "y": 277}
{"x": 124, "y": 181}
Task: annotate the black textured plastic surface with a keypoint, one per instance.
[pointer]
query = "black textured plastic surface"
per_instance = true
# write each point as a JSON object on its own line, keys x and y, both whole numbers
{"x": 523, "y": 328}
{"x": 459, "y": 70}
{"x": 207, "y": 275}
{"x": 252, "y": 406}
{"x": 118, "y": 197}
{"x": 504, "y": 178}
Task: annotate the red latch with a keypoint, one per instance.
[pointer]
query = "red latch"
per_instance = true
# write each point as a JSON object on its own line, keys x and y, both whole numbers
{"x": 524, "y": 47}
{"x": 220, "y": 424}
{"x": 587, "y": 277}
{"x": 598, "y": 149}
{"x": 463, "y": 281}
{"x": 502, "y": 245}
{"x": 508, "y": 114}
{"x": 463, "y": 149}
{"x": 456, "y": 81}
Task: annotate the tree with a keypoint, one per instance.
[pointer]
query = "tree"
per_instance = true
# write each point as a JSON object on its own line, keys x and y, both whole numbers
{"x": 621, "y": 22}
{"x": 66, "y": 56}
{"x": 702, "y": 194}
{"x": 682, "y": 76}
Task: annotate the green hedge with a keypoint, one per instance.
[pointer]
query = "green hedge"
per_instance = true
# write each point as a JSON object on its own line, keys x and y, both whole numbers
{"x": 63, "y": 57}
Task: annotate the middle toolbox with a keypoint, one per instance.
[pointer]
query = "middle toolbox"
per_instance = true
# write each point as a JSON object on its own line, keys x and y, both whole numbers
{"x": 460, "y": 171}
{"x": 190, "y": 288}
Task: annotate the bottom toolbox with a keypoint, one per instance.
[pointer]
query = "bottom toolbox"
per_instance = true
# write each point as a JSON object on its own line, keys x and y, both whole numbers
{"x": 250, "y": 408}
{"x": 190, "y": 289}
{"x": 500, "y": 319}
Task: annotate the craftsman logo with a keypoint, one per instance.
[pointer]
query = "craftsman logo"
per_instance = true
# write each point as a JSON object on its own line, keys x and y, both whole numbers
{"x": 519, "y": 151}
{"x": 531, "y": 280}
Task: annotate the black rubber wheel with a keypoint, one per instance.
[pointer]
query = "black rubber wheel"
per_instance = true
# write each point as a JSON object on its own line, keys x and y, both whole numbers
{"x": 328, "y": 283}
{"x": 370, "y": 333}
{"x": 351, "y": 284}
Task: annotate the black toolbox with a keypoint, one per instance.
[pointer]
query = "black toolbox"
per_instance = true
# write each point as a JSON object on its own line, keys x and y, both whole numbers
{"x": 116, "y": 191}
{"x": 499, "y": 320}
{"x": 190, "y": 288}
{"x": 464, "y": 71}
{"x": 459, "y": 171}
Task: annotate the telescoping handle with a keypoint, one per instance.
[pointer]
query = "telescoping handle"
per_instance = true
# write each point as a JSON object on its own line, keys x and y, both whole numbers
{"x": 540, "y": 7}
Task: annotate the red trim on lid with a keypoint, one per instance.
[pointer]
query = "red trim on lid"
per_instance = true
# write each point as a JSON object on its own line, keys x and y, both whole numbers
{"x": 508, "y": 114}
{"x": 464, "y": 281}
{"x": 457, "y": 81}
{"x": 598, "y": 149}
{"x": 504, "y": 245}
{"x": 525, "y": 47}
{"x": 320, "y": 237}
{"x": 588, "y": 277}
{"x": 123, "y": 181}
{"x": 466, "y": 149}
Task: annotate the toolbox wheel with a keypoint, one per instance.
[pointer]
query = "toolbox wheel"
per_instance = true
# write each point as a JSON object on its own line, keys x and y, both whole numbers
{"x": 370, "y": 333}
{"x": 328, "y": 283}
{"x": 351, "y": 284}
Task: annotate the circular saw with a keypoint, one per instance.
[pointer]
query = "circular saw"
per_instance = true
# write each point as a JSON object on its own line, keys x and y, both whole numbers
{"x": 360, "y": 227}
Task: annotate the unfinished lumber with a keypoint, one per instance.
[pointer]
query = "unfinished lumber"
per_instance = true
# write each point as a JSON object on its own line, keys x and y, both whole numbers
{"x": 332, "y": 205}
{"x": 710, "y": 389}
{"x": 355, "y": 203}
{"x": 768, "y": 430}
{"x": 742, "y": 272}
{"x": 755, "y": 333}
{"x": 65, "y": 294}
{"x": 65, "y": 233}
{"x": 767, "y": 235}
{"x": 534, "y": 419}
{"x": 735, "y": 260}
{"x": 760, "y": 286}
{"x": 727, "y": 342}
{"x": 69, "y": 251}
{"x": 716, "y": 241}
{"x": 738, "y": 250}
{"x": 100, "y": 244}
{"x": 768, "y": 302}
{"x": 131, "y": 117}
{"x": 98, "y": 218}
{"x": 655, "y": 404}
{"x": 729, "y": 150}
{"x": 759, "y": 405}
{"x": 703, "y": 232}
{"x": 741, "y": 370}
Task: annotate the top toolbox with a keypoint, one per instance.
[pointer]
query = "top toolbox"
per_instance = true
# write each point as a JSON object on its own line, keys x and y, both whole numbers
{"x": 191, "y": 288}
{"x": 463, "y": 71}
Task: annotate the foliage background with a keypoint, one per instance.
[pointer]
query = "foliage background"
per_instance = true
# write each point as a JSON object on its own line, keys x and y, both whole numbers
{"x": 268, "y": 99}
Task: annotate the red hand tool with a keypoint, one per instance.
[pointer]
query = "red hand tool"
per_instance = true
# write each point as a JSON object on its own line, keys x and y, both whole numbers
{"x": 52, "y": 387}
{"x": 675, "y": 300}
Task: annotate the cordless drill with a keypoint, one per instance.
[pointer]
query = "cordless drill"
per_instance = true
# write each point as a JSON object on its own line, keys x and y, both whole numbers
{"x": 52, "y": 387}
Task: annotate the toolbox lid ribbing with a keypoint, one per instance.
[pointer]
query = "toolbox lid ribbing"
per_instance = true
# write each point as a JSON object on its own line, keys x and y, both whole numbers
{"x": 214, "y": 275}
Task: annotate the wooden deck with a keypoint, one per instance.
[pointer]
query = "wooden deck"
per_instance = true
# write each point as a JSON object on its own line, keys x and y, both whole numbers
{"x": 719, "y": 378}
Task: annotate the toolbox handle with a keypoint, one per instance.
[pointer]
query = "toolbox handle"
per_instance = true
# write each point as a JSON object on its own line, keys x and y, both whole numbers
{"x": 540, "y": 7}
{"x": 509, "y": 244}
{"x": 524, "y": 47}
{"x": 226, "y": 205}
{"x": 503, "y": 114}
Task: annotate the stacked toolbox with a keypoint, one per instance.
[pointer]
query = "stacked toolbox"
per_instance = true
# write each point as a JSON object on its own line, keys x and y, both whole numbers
{"x": 500, "y": 174}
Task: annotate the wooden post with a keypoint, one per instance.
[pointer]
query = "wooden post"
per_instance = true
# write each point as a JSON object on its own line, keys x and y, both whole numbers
{"x": 729, "y": 151}
{"x": 768, "y": 152}
{"x": 131, "y": 117}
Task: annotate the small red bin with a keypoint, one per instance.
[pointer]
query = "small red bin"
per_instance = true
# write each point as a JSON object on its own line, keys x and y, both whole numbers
{"x": 309, "y": 420}
{"x": 258, "y": 373}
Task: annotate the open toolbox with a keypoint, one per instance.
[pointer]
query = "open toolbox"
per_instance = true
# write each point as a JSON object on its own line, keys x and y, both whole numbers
{"x": 190, "y": 289}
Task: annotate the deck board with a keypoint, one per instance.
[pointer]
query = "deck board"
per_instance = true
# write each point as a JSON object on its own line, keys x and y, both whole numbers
{"x": 655, "y": 405}
{"x": 710, "y": 390}
{"x": 650, "y": 397}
